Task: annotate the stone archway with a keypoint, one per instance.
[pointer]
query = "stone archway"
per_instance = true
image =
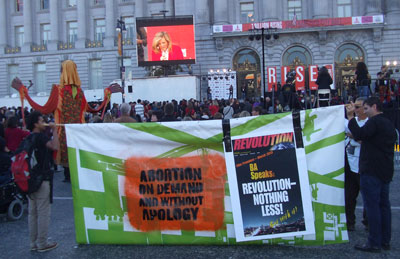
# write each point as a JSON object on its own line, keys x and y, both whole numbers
{"x": 246, "y": 63}
{"x": 296, "y": 56}
{"x": 346, "y": 58}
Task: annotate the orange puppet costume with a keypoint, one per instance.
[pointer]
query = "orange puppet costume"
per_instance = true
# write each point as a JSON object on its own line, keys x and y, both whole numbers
{"x": 71, "y": 105}
{"x": 67, "y": 101}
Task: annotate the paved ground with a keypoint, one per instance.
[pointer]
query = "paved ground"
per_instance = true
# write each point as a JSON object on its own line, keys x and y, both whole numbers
{"x": 14, "y": 239}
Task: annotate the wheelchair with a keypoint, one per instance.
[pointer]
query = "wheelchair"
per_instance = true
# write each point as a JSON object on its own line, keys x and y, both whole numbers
{"x": 12, "y": 201}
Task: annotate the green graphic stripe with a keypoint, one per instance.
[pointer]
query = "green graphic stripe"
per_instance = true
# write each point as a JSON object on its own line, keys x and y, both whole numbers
{"x": 78, "y": 211}
{"x": 173, "y": 152}
{"x": 106, "y": 203}
{"x": 247, "y": 127}
{"x": 317, "y": 178}
{"x": 227, "y": 192}
{"x": 335, "y": 173}
{"x": 194, "y": 143}
{"x": 101, "y": 163}
{"x": 325, "y": 142}
{"x": 180, "y": 151}
{"x": 228, "y": 217}
{"x": 191, "y": 142}
{"x": 251, "y": 125}
{"x": 169, "y": 134}
{"x": 256, "y": 123}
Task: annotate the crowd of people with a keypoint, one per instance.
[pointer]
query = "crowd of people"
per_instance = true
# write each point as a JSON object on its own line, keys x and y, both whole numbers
{"x": 184, "y": 110}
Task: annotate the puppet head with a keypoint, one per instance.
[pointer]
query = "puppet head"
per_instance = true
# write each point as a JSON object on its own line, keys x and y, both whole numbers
{"x": 69, "y": 74}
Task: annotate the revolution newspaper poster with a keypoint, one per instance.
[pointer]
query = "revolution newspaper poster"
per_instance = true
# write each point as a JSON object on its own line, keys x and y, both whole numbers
{"x": 269, "y": 187}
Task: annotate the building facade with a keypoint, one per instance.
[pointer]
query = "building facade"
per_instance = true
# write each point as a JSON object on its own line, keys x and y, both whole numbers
{"x": 36, "y": 36}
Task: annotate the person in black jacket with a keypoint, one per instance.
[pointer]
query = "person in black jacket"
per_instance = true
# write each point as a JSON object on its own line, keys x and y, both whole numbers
{"x": 324, "y": 81}
{"x": 39, "y": 201}
{"x": 377, "y": 137}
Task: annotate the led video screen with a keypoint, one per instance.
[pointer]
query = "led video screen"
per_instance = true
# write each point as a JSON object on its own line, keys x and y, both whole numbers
{"x": 165, "y": 41}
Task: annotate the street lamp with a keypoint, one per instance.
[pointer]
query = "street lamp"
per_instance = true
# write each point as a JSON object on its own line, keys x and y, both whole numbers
{"x": 267, "y": 34}
{"x": 121, "y": 29}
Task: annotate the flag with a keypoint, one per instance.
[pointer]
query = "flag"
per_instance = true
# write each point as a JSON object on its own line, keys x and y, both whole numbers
{"x": 119, "y": 44}
{"x": 294, "y": 21}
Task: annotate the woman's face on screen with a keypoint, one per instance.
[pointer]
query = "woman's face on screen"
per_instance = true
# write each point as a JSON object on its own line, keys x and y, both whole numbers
{"x": 163, "y": 44}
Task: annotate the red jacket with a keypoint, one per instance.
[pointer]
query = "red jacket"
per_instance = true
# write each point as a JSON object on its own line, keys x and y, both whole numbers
{"x": 174, "y": 54}
{"x": 213, "y": 109}
{"x": 14, "y": 137}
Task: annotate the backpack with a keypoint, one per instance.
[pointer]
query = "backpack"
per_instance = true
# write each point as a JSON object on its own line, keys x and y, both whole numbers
{"x": 23, "y": 167}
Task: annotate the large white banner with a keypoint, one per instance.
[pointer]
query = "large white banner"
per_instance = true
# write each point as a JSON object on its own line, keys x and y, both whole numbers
{"x": 166, "y": 183}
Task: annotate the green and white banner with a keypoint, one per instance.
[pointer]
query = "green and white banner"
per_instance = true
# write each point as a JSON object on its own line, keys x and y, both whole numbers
{"x": 166, "y": 183}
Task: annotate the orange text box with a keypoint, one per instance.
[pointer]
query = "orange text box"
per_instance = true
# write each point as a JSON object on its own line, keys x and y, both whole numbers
{"x": 185, "y": 193}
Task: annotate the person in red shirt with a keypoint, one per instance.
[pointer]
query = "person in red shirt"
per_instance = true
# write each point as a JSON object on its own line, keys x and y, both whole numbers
{"x": 13, "y": 134}
{"x": 214, "y": 108}
{"x": 163, "y": 49}
{"x": 190, "y": 111}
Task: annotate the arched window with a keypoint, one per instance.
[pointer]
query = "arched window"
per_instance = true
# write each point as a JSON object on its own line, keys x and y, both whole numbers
{"x": 246, "y": 63}
{"x": 346, "y": 58}
{"x": 349, "y": 54}
{"x": 296, "y": 56}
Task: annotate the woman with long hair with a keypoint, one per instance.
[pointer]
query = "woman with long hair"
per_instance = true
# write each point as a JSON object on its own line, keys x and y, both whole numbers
{"x": 324, "y": 81}
{"x": 362, "y": 78}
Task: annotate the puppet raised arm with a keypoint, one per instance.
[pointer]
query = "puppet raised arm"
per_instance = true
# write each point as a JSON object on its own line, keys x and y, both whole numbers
{"x": 50, "y": 105}
{"x": 113, "y": 88}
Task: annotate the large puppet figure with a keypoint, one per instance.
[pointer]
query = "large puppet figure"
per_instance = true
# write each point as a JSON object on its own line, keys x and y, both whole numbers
{"x": 68, "y": 103}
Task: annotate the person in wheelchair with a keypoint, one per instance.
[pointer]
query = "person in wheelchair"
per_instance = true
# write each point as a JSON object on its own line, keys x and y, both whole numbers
{"x": 11, "y": 200}
{"x": 5, "y": 163}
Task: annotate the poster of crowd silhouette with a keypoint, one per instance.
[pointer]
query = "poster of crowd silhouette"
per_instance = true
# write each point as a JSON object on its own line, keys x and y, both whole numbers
{"x": 269, "y": 185}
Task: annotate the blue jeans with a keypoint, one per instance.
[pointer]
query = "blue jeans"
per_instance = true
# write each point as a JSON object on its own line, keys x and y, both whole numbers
{"x": 375, "y": 195}
{"x": 363, "y": 91}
